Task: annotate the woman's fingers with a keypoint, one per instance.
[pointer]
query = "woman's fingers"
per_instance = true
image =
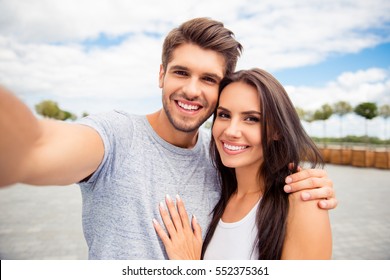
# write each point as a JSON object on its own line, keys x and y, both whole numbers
{"x": 184, "y": 239}
{"x": 167, "y": 220}
{"x": 176, "y": 219}
{"x": 197, "y": 229}
{"x": 161, "y": 233}
{"x": 182, "y": 212}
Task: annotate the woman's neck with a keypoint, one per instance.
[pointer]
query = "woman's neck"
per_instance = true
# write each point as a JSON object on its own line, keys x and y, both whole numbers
{"x": 249, "y": 191}
{"x": 248, "y": 182}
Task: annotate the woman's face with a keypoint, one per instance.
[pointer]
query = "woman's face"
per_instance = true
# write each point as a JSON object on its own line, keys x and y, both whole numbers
{"x": 237, "y": 127}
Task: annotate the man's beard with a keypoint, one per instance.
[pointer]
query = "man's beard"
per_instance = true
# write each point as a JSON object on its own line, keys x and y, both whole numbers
{"x": 184, "y": 124}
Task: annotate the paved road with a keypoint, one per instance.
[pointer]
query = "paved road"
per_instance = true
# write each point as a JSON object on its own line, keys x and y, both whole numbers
{"x": 45, "y": 222}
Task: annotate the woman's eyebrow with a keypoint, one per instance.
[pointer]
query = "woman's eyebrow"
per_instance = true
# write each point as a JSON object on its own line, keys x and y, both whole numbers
{"x": 250, "y": 112}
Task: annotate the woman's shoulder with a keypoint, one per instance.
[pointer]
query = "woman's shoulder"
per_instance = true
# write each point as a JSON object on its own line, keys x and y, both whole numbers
{"x": 308, "y": 233}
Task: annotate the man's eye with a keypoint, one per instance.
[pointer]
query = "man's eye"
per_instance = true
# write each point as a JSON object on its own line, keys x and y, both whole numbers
{"x": 210, "y": 80}
{"x": 181, "y": 73}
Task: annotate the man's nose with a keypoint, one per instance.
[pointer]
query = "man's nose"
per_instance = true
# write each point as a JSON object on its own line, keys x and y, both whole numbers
{"x": 192, "y": 89}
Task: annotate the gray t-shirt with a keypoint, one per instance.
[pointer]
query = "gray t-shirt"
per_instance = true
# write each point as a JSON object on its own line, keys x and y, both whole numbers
{"x": 138, "y": 170}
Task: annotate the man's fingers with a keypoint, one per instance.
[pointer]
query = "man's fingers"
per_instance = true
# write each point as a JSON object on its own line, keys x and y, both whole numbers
{"x": 328, "y": 204}
{"x": 291, "y": 167}
{"x": 318, "y": 193}
{"x": 310, "y": 184}
{"x": 304, "y": 174}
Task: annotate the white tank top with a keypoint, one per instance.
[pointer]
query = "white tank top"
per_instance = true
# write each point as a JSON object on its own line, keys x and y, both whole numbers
{"x": 234, "y": 241}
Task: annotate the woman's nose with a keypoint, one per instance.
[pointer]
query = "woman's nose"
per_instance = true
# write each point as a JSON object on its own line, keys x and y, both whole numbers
{"x": 233, "y": 130}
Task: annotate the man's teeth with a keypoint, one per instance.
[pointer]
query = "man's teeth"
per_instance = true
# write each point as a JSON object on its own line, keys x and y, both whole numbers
{"x": 234, "y": 148}
{"x": 188, "y": 107}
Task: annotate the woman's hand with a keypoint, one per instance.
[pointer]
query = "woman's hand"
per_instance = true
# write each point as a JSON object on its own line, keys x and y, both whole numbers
{"x": 313, "y": 184}
{"x": 182, "y": 242}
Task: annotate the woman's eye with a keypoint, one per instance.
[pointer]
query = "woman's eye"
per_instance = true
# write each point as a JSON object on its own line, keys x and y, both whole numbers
{"x": 223, "y": 115}
{"x": 252, "y": 119}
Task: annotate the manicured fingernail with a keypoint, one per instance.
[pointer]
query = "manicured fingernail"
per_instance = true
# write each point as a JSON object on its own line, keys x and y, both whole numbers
{"x": 155, "y": 222}
{"x": 168, "y": 197}
{"x": 162, "y": 206}
{"x": 287, "y": 188}
{"x": 323, "y": 204}
{"x": 178, "y": 198}
{"x": 288, "y": 180}
{"x": 305, "y": 196}
{"x": 194, "y": 217}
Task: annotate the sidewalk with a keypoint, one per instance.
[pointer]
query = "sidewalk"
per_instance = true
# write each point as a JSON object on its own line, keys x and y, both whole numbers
{"x": 45, "y": 222}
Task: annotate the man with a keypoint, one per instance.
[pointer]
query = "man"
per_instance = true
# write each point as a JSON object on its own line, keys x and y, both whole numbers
{"x": 126, "y": 164}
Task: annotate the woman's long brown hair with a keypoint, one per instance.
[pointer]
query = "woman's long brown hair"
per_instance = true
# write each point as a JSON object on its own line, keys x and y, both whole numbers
{"x": 284, "y": 141}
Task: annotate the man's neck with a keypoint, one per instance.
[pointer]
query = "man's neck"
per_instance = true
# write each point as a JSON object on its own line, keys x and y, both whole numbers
{"x": 163, "y": 127}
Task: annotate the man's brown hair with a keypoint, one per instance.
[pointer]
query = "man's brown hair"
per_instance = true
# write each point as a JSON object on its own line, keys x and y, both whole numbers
{"x": 207, "y": 34}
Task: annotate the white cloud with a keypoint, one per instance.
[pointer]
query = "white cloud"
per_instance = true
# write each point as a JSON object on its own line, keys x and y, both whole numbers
{"x": 43, "y": 55}
{"x": 299, "y": 33}
{"x": 370, "y": 85}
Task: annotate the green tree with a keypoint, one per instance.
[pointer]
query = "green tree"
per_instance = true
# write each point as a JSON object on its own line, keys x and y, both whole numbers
{"x": 50, "y": 109}
{"x": 368, "y": 111}
{"x": 323, "y": 114}
{"x": 342, "y": 108}
{"x": 300, "y": 112}
{"x": 384, "y": 112}
{"x": 307, "y": 116}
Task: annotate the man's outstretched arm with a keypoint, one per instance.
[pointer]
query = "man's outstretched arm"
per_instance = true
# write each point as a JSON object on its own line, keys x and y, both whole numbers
{"x": 43, "y": 152}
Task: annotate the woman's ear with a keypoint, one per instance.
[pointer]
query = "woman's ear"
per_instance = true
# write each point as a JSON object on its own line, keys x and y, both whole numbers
{"x": 276, "y": 136}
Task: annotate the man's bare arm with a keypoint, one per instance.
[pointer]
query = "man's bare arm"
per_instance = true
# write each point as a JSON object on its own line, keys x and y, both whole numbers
{"x": 43, "y": 152}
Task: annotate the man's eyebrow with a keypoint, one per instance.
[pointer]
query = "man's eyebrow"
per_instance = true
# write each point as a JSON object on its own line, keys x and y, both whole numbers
{"x": 179, "y": 67}
{"x": 211, "y": 75}
{"x": 214, "y": 76}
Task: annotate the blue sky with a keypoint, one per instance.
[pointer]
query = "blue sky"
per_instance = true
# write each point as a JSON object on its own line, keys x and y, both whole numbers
{"x": 94, "y": 56}
{"x": 321, "y": 73}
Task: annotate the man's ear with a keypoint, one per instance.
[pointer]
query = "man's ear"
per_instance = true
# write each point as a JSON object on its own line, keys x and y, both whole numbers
{"x": 161, "y": 77}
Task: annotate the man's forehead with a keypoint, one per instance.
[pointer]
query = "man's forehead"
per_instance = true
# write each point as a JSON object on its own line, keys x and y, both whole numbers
{"x": 193, "y": 58}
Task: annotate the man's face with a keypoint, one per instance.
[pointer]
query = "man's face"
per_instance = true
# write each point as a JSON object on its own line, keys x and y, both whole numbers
{"x": 190, "y": 86}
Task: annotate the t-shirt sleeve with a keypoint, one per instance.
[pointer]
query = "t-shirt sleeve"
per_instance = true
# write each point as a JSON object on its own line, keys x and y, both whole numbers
{"x": 111, "y": 126}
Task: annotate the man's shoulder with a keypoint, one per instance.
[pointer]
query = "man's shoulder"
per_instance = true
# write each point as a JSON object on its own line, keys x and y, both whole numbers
{"x": 113, "y": 118}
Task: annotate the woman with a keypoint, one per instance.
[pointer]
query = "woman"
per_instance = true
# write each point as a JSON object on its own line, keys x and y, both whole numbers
{"x": 256, "y": 134}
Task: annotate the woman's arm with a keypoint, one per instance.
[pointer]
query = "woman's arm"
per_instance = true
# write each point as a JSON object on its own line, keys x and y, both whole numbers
{"x": 182, "y": 242}
{"x": 308, "y": 233}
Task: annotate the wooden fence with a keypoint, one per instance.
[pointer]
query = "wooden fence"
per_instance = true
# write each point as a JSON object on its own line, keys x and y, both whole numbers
{"x": 360, "y": 157}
